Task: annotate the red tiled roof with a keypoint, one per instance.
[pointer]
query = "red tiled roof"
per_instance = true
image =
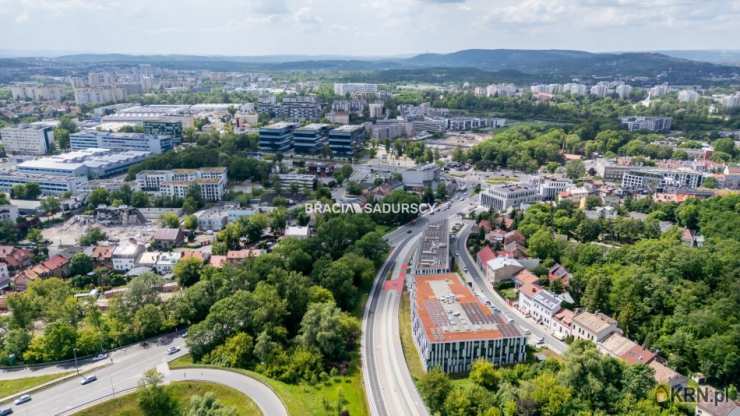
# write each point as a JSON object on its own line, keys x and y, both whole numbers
{"x": 102, "y": 252}
{"x": 14, "y": 257}
{"x": 525, "y": 277}
{"x": 217, "y": 261}
{"x": 485, "y": 224}
{"x": 486, "y": 254}
{"x": 565, "y": 316}
{"x": 55, "y": 263}
{"x": 637, "y": 355}
{"x": 529, "y": 290}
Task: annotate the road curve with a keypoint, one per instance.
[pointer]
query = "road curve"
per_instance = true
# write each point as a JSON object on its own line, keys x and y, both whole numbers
{"x": 266, "y": 399}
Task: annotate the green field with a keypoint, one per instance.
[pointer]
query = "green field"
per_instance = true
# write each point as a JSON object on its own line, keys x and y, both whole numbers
{"x": 181, "y": 391}
{"x": 501, "y": 180}
{"x": 10, "y": 387}
{"x": 303, "y": 399}
{"x": 407, "y": 339}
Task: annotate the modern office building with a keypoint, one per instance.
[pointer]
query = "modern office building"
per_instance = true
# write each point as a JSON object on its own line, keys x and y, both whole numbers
{"x": 49, "y": 184}
{"x": 390, "y": 129}
{"x": 171, "y": 127}
{"x": 433, "y": 253}
{"x": 301, "y": 108}
{"x": 346, "y": 141}
{"x": 355, "y": 88}
{"x": 504, "y": 197}
{"x": 141, "y": 113}
{"x": 452, "y": 328}
{"x": 91, "y": 163}
{"x": 311, "y": 139}
{"x": 277, "y": 137}
{"x": 120, "y": 141}
{"x": 177, "y": 182}
{"x": 474, "y": 123}
{"x": 651, "y": 179}
{"x": 28, "y": 139}
{"x": 420, "y": 177}
{"x": 635, "y": 123}
{"x": 303, "y": 181}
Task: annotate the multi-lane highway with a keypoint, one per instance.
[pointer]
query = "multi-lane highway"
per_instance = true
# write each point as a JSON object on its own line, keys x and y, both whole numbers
{"x": 388, "y": 383}
{"x": 479, "y": 283}
{"x": 124, "y": 373}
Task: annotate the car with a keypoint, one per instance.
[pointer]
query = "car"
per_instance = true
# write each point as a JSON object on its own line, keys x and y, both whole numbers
{"x": 465, "y": 269}
{"x": 172, "y": 350}
{"x": 540, "y": 340}
{"x": 409, "y": 231}
{"x": 525, "y": 331}
{"x": 101, "y": 356}
{"x": 5, "y": 412}
{"x": 25, "y": 398}
{"x": 88, "y": 379}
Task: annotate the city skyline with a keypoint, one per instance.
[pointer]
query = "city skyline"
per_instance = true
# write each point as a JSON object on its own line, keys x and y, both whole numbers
{"x": 368, "y": 28}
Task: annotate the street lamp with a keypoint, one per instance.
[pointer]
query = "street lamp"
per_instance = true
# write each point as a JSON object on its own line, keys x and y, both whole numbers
{"x": 74, "y": 351}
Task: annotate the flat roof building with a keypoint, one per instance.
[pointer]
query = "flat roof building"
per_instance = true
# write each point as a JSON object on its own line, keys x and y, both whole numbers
{"x": 277, "y": 137}
{"x": 28, "y": 139}
{"x": 452, "y": 328}
{"x": 504, "y": 197}
{"x": 433, "y": 254}
{"x": 120, "y": 141}
{"x": 176, "y": 182}
{"x": 311, "y": 139}
{"x": 346, "y": 141}
{"x": 91, "y": 163}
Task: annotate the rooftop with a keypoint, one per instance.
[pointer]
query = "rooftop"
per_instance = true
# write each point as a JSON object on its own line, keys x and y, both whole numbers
{"x": 594, "y": 323}
{"x": 449, "y": 311}
{"x": 348, "y": 128}
{"x": 434, "y": 248}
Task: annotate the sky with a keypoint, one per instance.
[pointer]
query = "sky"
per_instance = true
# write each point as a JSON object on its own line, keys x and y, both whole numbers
{"x": 364, "y": 27}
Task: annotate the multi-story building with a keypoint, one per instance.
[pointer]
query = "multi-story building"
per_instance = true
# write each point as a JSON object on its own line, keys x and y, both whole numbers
{"x": 299, "y": 108}
{"x": 125, "y": 255}
{"x": 623, "y": 91}
{"x": 346, "y": 141}
{"x": 500, "y": 90}
{"x": 550, "y": 188}
{"x": 28, "y": 139}
{"x": 635, "y": 123}
{"x": 91, "y": 163}
{"x": 177, "y": 182}
{"x": 303, "y": 181}
{"x": 355, "y": 88}
{"x": 36, "y": 92}
{"x": 504, "y": 197}
{"x": 473, "y": 123}
{"x": 452, "y": 328}
{"x": 659, "y": 90}
{"x": 120, "y": 141}
{"x": 277, "y": 137}
{"x": 141, "y": 113}
{"x": 171, "y": 127}
{"x": 600, "y": 90}
{"x": 376, "y": 110}
{"x": 49, "y": 184}
{"x": 540, "y": 304}
{"x": 731, "y": 101}
{"x": 688, "y": 96}
{"x": 390, "y": 129}
{"x": 659, "y": 179}
{"x": 430, "y": 124}
{"x": 98, "y": 95}
{"x": 433, "y": 253}
{"x": 420, "y": 177}
{"x": 593, "y": 327}
{"x": 8, "y": 213}
{"x": 311, "y": 139}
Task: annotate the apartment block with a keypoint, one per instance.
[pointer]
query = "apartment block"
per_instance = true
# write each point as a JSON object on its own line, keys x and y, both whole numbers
{"x": 177, "y": 182}
{"x": 28, "y": 139}
{"x": 505, "y": 197}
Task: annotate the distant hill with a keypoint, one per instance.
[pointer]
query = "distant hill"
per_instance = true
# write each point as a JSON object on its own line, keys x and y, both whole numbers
{"x": 470, "y": 64}
{"x": 727, "y": 57}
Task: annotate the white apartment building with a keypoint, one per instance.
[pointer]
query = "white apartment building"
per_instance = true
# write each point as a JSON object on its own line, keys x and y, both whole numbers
{"x": 623, "y": 91}
{"x": 177, "y": 182}
{"x": 98, "y": 95}
{"x": 303, "y": 181}
{"x": 600, "y": 90}
{"x": 659, "y": 90}
{"x": 355, "y": 88}
{"x": 593, "y": 327}
{"x": 376, "y": 110}
{"x": 36, "y": 92}
{"x": 539, "y": 303}
{"x": 8, "y": 213}
{"x": 688, "y": 96}
{"x": 125, "y": 256}
{"x": 28, "y": 139}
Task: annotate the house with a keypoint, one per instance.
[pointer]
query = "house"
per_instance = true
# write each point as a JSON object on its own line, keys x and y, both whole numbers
{"x": 485, "y": 225}
{"x": 692, "y": 238}
{"x": 240, "y": 256}
{"x": 710, "y": 402}
{"x": 484, "y": 256}
{"x": 667, "y": 376}
{"x": 56, "y": 266}
{"x": 538, "y": 303}
{"x": 217, "y": 261}
{"x": 559, "y": 273}
{"x": 166, "y": 262}
{"x": 168, "y": 238}
{"x": 148, "y": 259}
{"x": 515, "y": 249}
{"x": 103, "y": 255}
{"x": 22, "y": 280}
{"x": 195, "y": 254}
{"x": 514, "y": 236}
{"x": 502, "y": 268}
{"x": 296, "y": 231}
{"x": 125, "y": 255}
{"x": 496, "y": 236}
{"x": 562, "y": 324}
{"x": 4, "y": 276}
{"x": 625, "y": 349}
{"x": 15, "y": 258}
{"x": 594, "y": 327}
{"x": 525, "y": 277}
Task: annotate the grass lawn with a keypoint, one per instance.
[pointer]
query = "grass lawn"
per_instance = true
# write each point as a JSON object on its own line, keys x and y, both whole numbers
{"x": 407, "y": 339}
{"x": 500, "y": 180}
{"x": 510, "y": 293}
{"x": 9, "y": 387}
{"x": 303, "y": 399}
{"x": 181, "y": 391}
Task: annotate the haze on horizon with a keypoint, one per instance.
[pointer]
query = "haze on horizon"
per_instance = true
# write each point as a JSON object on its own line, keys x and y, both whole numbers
{"x": 364, "y": 27}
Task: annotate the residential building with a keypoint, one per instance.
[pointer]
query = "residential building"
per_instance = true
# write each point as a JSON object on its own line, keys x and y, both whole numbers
{"x": 505, "y": 197}
{"x": 391, "y": 129}
{"x": 594, "y": 327}
{"x": 4, "y": 277}
{"x": 299, "y": 108}
{"x": 623, "y": 91}
{"x": 170, "y": 127}
{"x": 659, "y": 90}
{"x": 540, "y": 304}
{"x": 600, "y": 90}
{"x": 120, "y": 141}
{"x": 15, "y": 258}
{"x": 500, "y": 269}
{"x": 36, "y": 92}
{"x": 311, "y": 139}
{"x": 296, "y": 231}
{"x": 562, "y": 324}
{"x": 433, "y": 253}
{"x": 452, "y": 328}
{"x": 625, "y": 349}
{"x": 710, "y": 402}
{"x": 166, "y": 262}
{"x": 346, "y": 141}
{"x": 550, "y": 188}
{"x": 657, "y": 124}
{"x": 560, "y": 274}
{"x": 98, "y": 95}
{"x": 8, "y": 213}
{"x": 688, "y": 96}
{"x": 125, "y": 255}
{"x": 28, "y": 139}
{"x": 667, "y": 376}
{"x": 177, "y": 182}
{"x": 168, "y": 238}
{"x": 354, "y": 88}
{"x": 240, "y": 256}
{"x": 301, "y": 180}
{"x": 277, "y": 137}
{"x": 375, "y": 110}
{"x": 501, "y": 90}
{"x": 659, "y": 179}
{"x": 474, "y": 123}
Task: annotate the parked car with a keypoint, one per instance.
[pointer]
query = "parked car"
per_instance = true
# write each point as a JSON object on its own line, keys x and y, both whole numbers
{"x": 23, "y": 399}
{"x": 88, "y": 379}
{"x": 172, "y": 350}
{"x": 101, "y": 356}
{"x": 540, "y": 340}
{"x": 5, "y": 412}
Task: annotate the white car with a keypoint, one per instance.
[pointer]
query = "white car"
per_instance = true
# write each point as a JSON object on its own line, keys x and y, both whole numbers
{"x": 540, "y": 340}
{"x": 88, "y": 379}
{"x": 23, "y": 399}
{"x": 173, "y": 350}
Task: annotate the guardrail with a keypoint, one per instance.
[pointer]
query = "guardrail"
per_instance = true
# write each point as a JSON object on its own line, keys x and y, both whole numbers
{"x": 95, "y": 400}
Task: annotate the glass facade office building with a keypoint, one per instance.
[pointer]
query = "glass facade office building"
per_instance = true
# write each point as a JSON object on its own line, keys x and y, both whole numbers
{"x": 346, "y": 141}
{"x": 277, "y": 137}
{"x": 310, "y": 139}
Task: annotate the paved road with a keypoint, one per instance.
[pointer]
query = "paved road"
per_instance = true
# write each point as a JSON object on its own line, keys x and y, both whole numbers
{"x": 476, "y": 275}
{"x": 388, "y": 383}
{"x": 125, "y": 372}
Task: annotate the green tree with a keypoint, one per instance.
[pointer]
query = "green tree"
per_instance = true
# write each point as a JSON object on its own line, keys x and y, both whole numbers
{"x": 191, "y": 222}
{"x": 170, "y": 220}
{"x": 330, "y": 331}
{"x": 207, "y": 405}
{"x": 542, "y": 245}
{"x": 574, "y": 169}
{"x": 50, "y": 205}
{"x": 148, "y": 320}
{"x": 92, "y": 236}
{"x": 80, "y": 264}
{"x": 98, "y": 196}
{"x": 484, "y": 374}
{"x": 153, "y": 399}
{"x": 187, "y": 271}
{"x": 434, "y": 386}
